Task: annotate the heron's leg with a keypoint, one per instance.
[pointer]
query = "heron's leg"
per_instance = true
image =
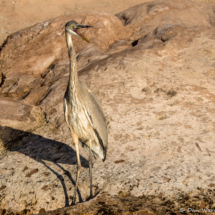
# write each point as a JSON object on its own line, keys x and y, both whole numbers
{"x": 90, "y": 165}
{"x": 75, "y": 139}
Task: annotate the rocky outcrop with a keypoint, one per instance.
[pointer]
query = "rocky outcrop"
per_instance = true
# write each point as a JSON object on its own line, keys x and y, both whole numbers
{"x": 152, "y": 68}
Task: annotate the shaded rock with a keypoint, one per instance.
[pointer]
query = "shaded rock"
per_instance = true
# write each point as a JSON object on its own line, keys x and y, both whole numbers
{"x": 18, "y": 115}
{"x": 153, "y": 74}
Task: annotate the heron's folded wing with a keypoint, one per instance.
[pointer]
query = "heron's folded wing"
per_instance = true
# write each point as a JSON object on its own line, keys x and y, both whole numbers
{"x": 97, "y": 118}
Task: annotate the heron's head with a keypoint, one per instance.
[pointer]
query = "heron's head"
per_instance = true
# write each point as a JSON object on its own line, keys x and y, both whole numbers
{"x": 73, "y": 27}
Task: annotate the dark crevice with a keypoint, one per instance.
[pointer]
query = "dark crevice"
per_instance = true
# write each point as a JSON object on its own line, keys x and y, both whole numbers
{"x": 4, "y": 43}
{"x": 14, "y": 84}
{"x": 51, "y": 67}
{"x": 3, "y": 80}
{"x": 46, "y": 117}
{"x": 134, "y": 43}
{"x": 163, "y": 40}
{"x": 38, "y": 103}
{"x": 43, "y": 75}
{"x": 171, "y": 93}
{"x": 26, "y": 95}
{"x": 125, "y": 20}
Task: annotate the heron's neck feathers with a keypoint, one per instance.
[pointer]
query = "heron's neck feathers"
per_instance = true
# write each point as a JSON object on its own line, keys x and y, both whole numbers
{"x": 73, "y": 83}
{"x": 69, "y": 40}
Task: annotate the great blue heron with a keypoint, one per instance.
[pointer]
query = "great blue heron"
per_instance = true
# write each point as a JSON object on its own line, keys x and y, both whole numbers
{"x": 83, "y": 112}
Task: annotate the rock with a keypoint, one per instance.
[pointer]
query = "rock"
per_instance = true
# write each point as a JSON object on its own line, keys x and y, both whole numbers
{"x": 164, "y": 12}
{"x": 1, "y": 79}
{"x": 151, "y": 68}
{"x": 43, "y": 44}
{"x": 18, "y": 115}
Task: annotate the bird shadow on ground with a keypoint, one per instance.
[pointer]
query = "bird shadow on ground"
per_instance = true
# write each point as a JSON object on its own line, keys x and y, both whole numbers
{"x": 40, "y": 149}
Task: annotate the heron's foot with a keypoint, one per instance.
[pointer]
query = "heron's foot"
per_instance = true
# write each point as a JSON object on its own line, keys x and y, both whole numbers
{"x": 74, "y": 198}
{"x": 90, "y": 197}
{"x": 91, "y": 193}
{"x": 73, "y": 202}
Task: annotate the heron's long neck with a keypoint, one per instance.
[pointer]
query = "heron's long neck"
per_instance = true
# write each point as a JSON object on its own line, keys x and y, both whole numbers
{"x": 73, "y": 83}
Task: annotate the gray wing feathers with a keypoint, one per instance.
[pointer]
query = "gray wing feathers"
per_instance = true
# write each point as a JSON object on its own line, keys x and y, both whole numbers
{"x": 98, "y": 119}
{"x": 86, "y": 147}
{"x": 95, "y": 114}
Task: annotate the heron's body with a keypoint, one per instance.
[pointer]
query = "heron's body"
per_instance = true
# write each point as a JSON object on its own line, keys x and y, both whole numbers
{"x": 80, "y": 116}
{"x": 82, "y": 111}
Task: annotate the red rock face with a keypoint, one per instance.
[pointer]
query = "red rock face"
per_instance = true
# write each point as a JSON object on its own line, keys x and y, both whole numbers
{"x": 152, "y": 69}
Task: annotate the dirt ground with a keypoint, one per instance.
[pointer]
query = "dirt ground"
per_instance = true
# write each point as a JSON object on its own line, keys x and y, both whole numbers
{"x": 18, "y": 14}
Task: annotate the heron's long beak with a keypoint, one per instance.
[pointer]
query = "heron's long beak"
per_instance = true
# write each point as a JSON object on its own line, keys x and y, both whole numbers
{"x": 81, "y": 35}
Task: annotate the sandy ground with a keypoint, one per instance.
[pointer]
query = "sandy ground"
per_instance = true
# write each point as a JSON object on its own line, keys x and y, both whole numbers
{"x": 18, "y": 14}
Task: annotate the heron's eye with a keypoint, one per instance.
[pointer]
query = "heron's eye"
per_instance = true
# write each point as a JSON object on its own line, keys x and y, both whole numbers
{"x": 71, "y": 26}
